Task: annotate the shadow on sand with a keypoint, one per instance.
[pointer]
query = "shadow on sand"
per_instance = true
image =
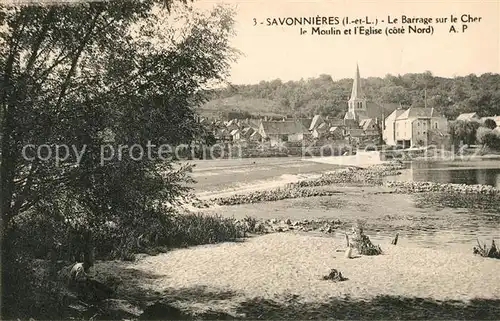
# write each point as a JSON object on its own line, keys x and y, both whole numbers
{"x": 381, "y": 308}
{"x": 164, "y": 305}
{"x": 133, "y": 299}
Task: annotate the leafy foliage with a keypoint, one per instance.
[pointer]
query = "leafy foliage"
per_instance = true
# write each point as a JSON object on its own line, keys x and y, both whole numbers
{"x": 324, "y": 96}
{"x": 489, "y": 138}
{"x": 463, "y": 132}
{"x": 96, "y": 77}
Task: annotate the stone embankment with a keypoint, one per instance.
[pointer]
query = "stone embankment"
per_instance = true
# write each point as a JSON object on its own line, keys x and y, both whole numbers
{"x": 424, "y": 187}
{"x": 372, "y": 176}
{"x": 270, "y": 196}
{"x": 252, "y": 225}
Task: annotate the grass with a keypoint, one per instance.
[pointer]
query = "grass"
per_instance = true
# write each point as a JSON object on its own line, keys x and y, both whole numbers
{"x": 49, "y": 297}
{"x": 485, "y": 251}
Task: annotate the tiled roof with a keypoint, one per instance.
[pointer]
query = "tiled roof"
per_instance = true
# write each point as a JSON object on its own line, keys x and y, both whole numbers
{"x": 317, "y": 119}
{"x": 356, "y": 132}
{"x": 336, "y": 122}
{"x": 418, "y": 112}
{"x": 282, "y": 127}
{"x": 467, "y": 116}
{"x": 306, "y": 122}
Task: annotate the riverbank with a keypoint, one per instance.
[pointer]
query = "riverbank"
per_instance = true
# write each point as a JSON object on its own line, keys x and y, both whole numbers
{"x": 279, "y": 276}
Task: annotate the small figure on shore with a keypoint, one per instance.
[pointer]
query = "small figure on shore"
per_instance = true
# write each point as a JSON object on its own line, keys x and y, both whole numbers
{"x": 78, "y": 277}
{"x": 395, "y": 240}
{"x": 348, "y": 253}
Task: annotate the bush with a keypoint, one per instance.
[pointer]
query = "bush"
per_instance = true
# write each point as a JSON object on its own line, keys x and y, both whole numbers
{"x": 362, "y": 243}
{"x": 484, "y": 251}
{"x": 488, "y": 137}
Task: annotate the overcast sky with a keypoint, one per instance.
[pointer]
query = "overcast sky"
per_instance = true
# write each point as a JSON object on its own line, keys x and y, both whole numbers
{"x": 272, "y": 52}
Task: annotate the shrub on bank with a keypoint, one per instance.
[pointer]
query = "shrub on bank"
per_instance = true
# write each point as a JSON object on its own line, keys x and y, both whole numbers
{"x": 44, "y": 247}
{"x": 361, "y": 242}
{"x": 485, "y": 251}
{"x": 42, "y": 238}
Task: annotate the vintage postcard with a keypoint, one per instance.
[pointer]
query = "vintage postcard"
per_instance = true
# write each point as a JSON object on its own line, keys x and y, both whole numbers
{"x": 250, "y": 160}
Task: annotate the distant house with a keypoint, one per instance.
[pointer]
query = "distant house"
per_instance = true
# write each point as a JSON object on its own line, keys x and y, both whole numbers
{"x": 413, "y": 126}
{"x": 468, "y": 117}
{"x": 370, "y": 127}
{"x": 316, "y": 121}
{"x": 279, "y": 131}
{"x": 320, "y": 130}
{"x": 389, "y": 131}
{"x": 252, "y": 123}
{"x": 355, "y": 135}
{"x": 232, "y": 125}
{"x": 336, "y": 132}
{"x": 246, "y": 132}
{"x": 306, "y": 122}
{"x": 222, "y": 134}
{"x": 255, "y": 137}
{"x": 235, "y": 134}
{"x": 335, "y": 122}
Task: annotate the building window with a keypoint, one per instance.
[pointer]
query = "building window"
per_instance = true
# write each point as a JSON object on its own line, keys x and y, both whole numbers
{"x": 418, "y": 124}
{"x": 418, "y": 133}
{"x": 435, "y": 125}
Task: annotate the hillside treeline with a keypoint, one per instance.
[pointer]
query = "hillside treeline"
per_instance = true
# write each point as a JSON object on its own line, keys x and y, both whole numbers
{"x": 322, "y": 95}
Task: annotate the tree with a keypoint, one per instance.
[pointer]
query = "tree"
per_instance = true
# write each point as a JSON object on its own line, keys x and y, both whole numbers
{"x": 450, "y": 96}
{"x": 70, "y": 74}
{"x": 463, "y": 132}
{"x": 489, "y": 138}
{"x": 490, "y": 123}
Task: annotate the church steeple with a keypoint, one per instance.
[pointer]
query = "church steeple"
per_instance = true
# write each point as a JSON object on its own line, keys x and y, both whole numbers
{"x": 357, "y": 92}
{"x": 357, "y": 102}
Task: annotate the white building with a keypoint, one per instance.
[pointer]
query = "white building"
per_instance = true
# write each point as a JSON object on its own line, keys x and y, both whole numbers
{"x": 414, "y": 127}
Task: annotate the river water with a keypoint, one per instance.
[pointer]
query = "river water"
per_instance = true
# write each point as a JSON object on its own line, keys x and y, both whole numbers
{"x": 423, "y": 220}
{"x": 458, "y": 172}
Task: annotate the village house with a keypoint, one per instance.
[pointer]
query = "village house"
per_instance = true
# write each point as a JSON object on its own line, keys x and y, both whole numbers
{"x": 414, "y": 127}
{"x": 336, "y": 133}
{"x": 235, "y": 134}
{"x": 282, "y": 131}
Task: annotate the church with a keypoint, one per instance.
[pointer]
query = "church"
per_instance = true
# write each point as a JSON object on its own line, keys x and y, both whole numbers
{"x": 364, "y": 117}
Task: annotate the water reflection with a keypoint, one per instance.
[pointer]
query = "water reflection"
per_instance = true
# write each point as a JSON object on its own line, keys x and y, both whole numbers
{"x": 450, "y": 173}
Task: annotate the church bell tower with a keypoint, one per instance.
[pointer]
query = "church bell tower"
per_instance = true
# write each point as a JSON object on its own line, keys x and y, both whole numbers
{"x": 357, "y": 102}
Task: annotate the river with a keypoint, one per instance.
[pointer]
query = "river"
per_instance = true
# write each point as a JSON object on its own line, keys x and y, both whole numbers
{"x": 485, "y": 172}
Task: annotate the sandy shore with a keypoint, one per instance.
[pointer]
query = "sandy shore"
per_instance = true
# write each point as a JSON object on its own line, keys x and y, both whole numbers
{"x": 284, "y": 265}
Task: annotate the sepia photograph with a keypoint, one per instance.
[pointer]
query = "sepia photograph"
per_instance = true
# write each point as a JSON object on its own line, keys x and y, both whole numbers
{"x": 249, "y": 160}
